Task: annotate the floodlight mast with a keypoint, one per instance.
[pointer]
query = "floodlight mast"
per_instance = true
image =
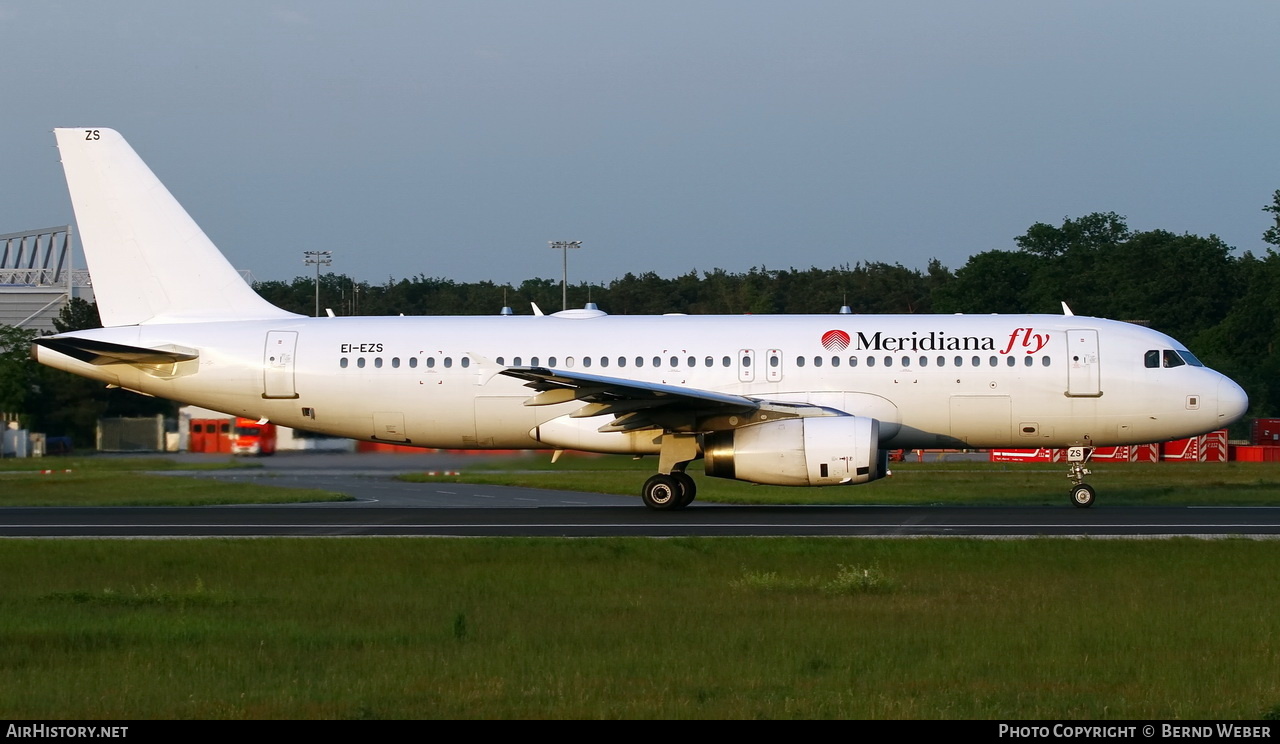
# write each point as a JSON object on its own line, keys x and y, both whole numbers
{"x": 318, "y": 258}
{"x": 564, "y": 246}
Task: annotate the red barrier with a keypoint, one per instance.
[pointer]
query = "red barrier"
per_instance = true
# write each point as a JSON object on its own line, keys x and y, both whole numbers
{"x": 1211, "y": 447}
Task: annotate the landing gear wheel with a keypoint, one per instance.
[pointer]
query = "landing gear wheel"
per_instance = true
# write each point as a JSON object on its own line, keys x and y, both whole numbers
{"x": 1082, "y": 495}
{"x": 662, "y": 492}
{"x": 688, "y": 489}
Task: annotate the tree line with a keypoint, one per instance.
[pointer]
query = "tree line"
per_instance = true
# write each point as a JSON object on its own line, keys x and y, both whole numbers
{"x": 1225, "y": 307}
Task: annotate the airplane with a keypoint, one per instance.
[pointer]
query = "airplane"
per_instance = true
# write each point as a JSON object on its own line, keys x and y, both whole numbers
{"x": 796, "y": 400}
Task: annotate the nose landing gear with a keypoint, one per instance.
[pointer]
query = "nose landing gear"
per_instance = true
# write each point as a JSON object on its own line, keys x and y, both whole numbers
{"x": 1082, "y": 494}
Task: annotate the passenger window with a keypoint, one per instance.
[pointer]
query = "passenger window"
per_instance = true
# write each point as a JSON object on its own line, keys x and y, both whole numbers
{"x": 604, "y": 361}
{"x": 586, "y": 361}
{"x": 533, "y": 362}
{"x": 709, "y": 362}
{"x": 924, "y": 361}
{"x": 622, "y": 361}
{"x": 465, "y": 362}
{"x": 639, "y": 361}
{"x": 657, "y": 361}
{"x": 568, "y": 362}
{"x": 942, "y": 361}
{"x": 774, "y": 361}
{"x": 888, "y": 361}
{"x": 1044, "y": 361}
{"x": 342, "y": 362}
{"x": 448, "y": 362}
{"x": 413, "y": 362}
{"x": 871, "y": 361}
{"x": 500, "y": 362}
{"x": 395, "y": 362}
{"x": 1012, "y": 361}
{"x": 976, "y": 361}
{"x": 1026, "y": 362}
{"x": 377, "y": 362}
{"x": 853, "y": 361}
{"x": 835, "y": 361}
{"x": 514, "y": 362}
{"x": 551, "y": 361}
{"x": 675, "y": 362}
{"x": 431, "y": 362}
{"x": 799, "y": 361}
{"x": 906, "y": 361}
{"x": 725, "y": 362}
{"x": 817, "y": 361}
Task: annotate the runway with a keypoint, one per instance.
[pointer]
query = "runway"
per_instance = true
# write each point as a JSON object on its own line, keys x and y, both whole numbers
{"x": 385, "y": 506}
{"x": 636, "y": 521}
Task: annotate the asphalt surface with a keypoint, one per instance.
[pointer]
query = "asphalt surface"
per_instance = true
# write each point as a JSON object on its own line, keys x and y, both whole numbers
{"x": 386, "y": 506}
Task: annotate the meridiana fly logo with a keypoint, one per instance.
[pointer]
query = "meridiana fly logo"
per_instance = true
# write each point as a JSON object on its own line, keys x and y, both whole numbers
{"x": 1025, "y": 340}
{"x": 835, "y": 340}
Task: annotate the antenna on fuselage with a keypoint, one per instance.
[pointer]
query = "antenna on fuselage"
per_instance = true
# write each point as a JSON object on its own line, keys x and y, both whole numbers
{"x": 1066, "y": 310}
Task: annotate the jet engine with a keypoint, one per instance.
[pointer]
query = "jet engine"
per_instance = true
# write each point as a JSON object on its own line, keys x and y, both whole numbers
{"x": 812, "y": 451}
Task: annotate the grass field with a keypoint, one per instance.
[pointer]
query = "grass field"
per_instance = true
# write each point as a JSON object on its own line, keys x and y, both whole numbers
{"x": 127, "y": 481}
{"x": 634, "y": 628}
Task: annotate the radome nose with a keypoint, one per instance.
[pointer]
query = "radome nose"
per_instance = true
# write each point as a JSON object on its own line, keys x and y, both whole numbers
{"x": 1232, "y": 402}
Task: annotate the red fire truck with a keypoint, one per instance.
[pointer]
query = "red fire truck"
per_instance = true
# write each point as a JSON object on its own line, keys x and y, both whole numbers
{"x": 253, "y": 438}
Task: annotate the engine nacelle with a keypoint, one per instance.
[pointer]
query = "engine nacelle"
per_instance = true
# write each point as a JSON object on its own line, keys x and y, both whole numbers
{"x": 814, "y": 451}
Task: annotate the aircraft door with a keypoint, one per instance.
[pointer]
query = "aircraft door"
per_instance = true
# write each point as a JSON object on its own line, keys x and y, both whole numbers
{"x": 1082, "y": 363}
{"x": 773, "y": 358}
{"x": 277, "y": 364}
{"x": 746, "y": 365}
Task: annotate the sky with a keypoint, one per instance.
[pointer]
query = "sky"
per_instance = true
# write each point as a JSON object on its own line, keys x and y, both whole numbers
{"x": 457, "y": 139}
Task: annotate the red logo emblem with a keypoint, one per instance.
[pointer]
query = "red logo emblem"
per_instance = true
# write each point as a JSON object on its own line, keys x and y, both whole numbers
{"x": 835, "y": 340}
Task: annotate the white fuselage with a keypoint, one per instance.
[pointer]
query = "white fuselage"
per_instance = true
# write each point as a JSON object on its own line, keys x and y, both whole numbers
{"x": 930, "y": 380}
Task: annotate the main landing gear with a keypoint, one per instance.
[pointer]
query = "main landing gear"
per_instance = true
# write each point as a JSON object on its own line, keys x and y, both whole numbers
{"x": 674, "y": 491}
{"x": 1082, "y": 494}
{"x": 672, "y": 488}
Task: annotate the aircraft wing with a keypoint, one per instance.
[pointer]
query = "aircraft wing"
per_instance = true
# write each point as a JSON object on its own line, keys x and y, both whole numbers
{"x": 635, "y": 404}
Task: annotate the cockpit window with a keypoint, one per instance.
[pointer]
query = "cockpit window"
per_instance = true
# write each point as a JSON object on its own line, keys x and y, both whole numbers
{"x": 1190, "y": 358}
{"x": 1156, "y": 358}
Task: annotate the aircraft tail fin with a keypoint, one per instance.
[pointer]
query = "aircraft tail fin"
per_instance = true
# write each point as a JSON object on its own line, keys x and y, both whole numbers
{"x": 149, "y": 261}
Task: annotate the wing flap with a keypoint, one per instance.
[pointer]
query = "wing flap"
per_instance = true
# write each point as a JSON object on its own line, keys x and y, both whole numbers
{"x": 637, "y": 404}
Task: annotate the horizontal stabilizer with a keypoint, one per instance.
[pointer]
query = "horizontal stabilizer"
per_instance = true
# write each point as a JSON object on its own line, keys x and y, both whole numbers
{"x": 103, "y": 352}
